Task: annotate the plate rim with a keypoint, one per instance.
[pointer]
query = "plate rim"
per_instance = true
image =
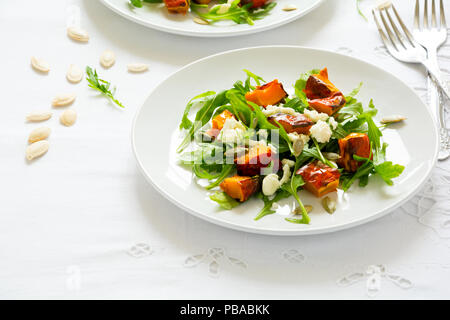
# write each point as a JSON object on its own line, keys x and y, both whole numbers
{"x": 158, "y": 27}
{"x": 268, "y": 231}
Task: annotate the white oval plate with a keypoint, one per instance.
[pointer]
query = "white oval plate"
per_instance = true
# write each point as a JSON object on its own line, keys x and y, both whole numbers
{"x": 413, "y": 144}
{"x": 156, "y": 17}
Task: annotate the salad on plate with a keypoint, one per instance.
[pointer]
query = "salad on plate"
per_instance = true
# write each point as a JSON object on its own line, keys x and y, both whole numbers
{"x": 210, "y": 11}
{"x": 256, "y": 140}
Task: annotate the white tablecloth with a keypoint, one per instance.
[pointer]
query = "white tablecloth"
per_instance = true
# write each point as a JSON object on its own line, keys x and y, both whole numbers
{"x": 81, "y": 222}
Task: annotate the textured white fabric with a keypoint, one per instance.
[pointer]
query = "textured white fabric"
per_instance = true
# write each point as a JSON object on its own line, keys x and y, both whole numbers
{"x": 81, "y": 222}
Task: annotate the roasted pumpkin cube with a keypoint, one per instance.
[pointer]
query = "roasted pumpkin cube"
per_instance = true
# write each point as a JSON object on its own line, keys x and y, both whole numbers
{"x": 329, "y": 105}
{"x": 353, "y": 144}
{"x": 257, "y": 158}
{"x": 292, "y": 123}
{"x": 323, "y": 95}
{"x": 177, "y": 6}
{"x": 219, "y": 120}
{"x": 256, "y": 3}
{"x": 218, "y": 123}
{"x": 319, "y": 178}
{"x": 240, "y": 188}
{"x": 271, "y": 93}
{"x": 318, "y": 86}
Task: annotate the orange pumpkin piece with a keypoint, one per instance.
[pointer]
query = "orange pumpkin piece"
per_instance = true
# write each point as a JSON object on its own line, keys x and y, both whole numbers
{"x": 328, "y": 105}
{"x": 271, "y": 93}
{"x": 218, "y": 122}
{"x": 256, "y": 3}
{"x": 353, "y": 144}
{"x": 177, "y": 6}
{"x": 240, "y": 188}
{"x": 292, "y": 123}
{"x": 319, "y": 178}
{"x": 323, "y": 95}
{"x": 257, "y": 158}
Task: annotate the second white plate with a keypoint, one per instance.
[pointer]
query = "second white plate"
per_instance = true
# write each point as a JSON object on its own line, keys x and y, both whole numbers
{"x": 156, "y": 16}
{"x": 413, "y": 144}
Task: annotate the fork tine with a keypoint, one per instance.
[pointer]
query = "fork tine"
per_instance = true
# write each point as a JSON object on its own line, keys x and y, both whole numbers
{"x": 382, "y": 34}
{"x": 433, "y": 14}
{"x": 443, "y": 22}
{"x": 397, "y": 32}
{"x": 394, "y": 27}
{"x": 416, "y": 15}
{"x": 425, "y": 15}
{"x": 404, "y": 27}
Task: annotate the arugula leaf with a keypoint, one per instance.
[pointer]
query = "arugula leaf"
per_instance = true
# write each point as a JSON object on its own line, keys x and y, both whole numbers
{"x": 237, "y": 13}
{"x": 296, "y": 104}
{"x": 226, "y": 169}
{"x": 224, "y": 200}
{"x": 354, "y": 92}
{"x": 203, "y": 116}
{"x": 292, "y": 188}
{"x": 250, "y": 76}
{"x": 321, "y": 157}
{"x": 388, "y": 171}
{"x": 101, "y": 85}
{"x": 185, "y": 122}
{"x": 267, "y": 209}
{"x": 138, "y": 3}
{"x": 359, "y": 10}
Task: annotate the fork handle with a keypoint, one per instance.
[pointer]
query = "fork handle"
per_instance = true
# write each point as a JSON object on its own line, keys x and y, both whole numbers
{"x": 434, "y": 71}
{"x": 437, "y": 109}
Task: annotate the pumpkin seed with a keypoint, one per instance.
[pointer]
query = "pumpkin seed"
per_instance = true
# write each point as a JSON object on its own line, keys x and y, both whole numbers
{"x": 68, "y": 117}
{"x": 298, "y": 146}
{"x": 392, "y": 119}
{"x": 40, "y": 65}
{"x": 63, "y": 99}
{"x": 38, "y": 134}
{"x": 107, "y": 59}
{"x": 298, "y": 210}
{"x": 74, "y": 74}
{"x": 37, "y": 149}
{"x": 137, "y": 67}
{"x": 331, "y": 155}
{"x": 200, "y": 21}
{"x": 329, "y": 205}
{"x": 78, "y": 34}
{"x": 289, "y": 7}
{"x": 39, "y": 115}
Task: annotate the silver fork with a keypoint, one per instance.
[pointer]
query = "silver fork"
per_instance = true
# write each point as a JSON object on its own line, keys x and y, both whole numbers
{"x": 431, "y": 37}
{"x": 404, "y": 47}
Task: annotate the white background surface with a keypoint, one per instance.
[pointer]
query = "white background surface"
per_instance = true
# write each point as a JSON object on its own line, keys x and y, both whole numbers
{"x": 69, "y": 219}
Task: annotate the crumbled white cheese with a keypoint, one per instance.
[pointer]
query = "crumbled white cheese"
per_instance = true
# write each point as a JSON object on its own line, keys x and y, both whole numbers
{"x": 286, "y": 174}
{"x": 316, "y": 116}
{"x": 293, "y": 136}
{"x": 321, "y": 131}
{"x": 270, "y": 184}
{"x": 271, "y": 110}
{"x": 232, "y": 132}
{"x": 263, "y": 134}
{"x": 333, "y": 123}
{"x": 257, "y": 143}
